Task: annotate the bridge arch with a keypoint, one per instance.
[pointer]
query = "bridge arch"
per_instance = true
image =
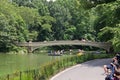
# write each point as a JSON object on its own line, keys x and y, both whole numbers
{"x": 34, "y": 45}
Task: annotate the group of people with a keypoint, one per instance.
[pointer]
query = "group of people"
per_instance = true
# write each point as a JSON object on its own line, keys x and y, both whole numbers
{"x": 112, "y": 70}
{"x": 56, "y": 53}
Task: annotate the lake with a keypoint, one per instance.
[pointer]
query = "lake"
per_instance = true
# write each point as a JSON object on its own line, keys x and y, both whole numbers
{"x": 11, "y": 63}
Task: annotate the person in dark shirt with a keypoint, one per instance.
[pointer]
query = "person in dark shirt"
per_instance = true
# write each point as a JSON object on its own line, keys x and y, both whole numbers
{"x": 112, "y": 67}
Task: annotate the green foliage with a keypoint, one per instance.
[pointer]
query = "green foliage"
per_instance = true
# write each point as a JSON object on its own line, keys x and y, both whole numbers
{"x": 40, "y": 20}
{"x": 114, "y": 36}
{"x": 12, "y": 26}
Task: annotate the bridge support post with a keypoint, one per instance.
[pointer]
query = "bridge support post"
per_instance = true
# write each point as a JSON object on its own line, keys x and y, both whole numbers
{"x": 30, "y": 49}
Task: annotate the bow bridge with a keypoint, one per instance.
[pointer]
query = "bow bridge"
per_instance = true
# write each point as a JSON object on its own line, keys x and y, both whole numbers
{"x": 34, "y": 45}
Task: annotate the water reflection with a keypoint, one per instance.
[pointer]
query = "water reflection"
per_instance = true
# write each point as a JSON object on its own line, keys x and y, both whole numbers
{"x": 10, "y": 63}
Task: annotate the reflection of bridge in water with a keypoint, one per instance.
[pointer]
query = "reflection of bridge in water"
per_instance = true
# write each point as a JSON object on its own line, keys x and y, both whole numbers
{"x": 34, "y": 45}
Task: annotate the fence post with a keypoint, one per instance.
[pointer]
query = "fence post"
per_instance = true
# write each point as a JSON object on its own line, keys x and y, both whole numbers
{"x": 8, "y": 77}
{"x": 34, "y": 74}
{"x": 20, "y": 75}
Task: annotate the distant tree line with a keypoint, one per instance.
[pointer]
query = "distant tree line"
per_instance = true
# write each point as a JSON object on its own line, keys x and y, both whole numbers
{"x": 40, "y": 20}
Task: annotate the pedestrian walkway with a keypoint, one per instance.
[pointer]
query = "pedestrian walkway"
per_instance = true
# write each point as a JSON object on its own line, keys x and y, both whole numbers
{"x": 90, "y": 70}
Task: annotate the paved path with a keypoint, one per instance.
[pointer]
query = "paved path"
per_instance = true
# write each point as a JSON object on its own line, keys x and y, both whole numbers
{"x": 90, "y": 70}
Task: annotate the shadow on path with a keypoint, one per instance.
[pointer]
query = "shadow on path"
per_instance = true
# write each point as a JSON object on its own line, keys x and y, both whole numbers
{"x": 97, "y": 62}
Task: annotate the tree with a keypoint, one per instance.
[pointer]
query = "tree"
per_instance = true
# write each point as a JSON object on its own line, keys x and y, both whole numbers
{"x": 114, "y": 34}
{"x": 62, "y": 28}
{"x": 111, "y": 31}
{"x": 12, "y": 26}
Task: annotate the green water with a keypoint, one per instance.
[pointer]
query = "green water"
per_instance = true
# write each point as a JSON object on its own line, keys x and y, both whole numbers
{"x": 11, "y": 63}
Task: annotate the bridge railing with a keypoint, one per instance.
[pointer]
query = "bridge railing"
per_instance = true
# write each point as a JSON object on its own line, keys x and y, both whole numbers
{"x": 75, "y": 42}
